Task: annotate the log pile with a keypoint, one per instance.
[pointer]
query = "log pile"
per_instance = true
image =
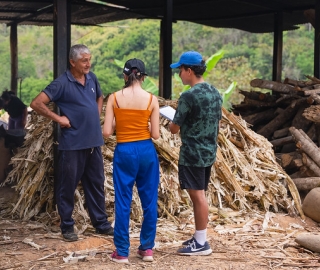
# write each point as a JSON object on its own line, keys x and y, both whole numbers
{"x": 287, "y": 114}
{"x": 246, "y": 177}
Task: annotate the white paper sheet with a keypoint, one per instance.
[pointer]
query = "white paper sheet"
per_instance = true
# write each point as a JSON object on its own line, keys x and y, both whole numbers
{"x": 167, "y": 112}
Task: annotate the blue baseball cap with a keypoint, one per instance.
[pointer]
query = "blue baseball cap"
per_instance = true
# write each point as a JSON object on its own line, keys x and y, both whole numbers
{"x": 190, "y": 58}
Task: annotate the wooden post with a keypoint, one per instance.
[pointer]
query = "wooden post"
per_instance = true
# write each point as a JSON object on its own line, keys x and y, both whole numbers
{"x": 166, "y": 52}
{"x": 277, "y": 47}
{"x": 317, "y": 40}
{"x": 61, "y": 38}
{"x": 14, "y": 57}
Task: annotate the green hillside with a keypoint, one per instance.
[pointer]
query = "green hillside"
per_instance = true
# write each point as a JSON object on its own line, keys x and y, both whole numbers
{"x": 247, "y": 56}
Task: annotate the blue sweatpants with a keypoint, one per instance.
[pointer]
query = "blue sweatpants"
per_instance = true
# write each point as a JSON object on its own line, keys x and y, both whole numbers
{"x": 85, "y": 165}
{"x": 135, "y": 162}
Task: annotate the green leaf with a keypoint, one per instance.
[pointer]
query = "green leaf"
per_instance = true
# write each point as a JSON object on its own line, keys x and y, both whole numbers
{"x": 119, "y": 63}
{"x": 150, "y": 86}
{"x": 212, "y": 61}
{"x": 227, "y": 94}
{"x": 177, "y": 77}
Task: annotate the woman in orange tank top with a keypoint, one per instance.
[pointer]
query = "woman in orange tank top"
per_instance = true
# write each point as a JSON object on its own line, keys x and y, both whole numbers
{"x": 133, "y": 114}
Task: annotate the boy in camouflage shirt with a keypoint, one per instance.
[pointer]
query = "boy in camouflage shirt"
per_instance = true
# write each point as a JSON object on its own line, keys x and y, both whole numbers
{"x": 197, "y": 117}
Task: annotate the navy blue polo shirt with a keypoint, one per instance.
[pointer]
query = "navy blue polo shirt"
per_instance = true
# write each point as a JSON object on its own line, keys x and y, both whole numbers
{"x": 78, "y": 103}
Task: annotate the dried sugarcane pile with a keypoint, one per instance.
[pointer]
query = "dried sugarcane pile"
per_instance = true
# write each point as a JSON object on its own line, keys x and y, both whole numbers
{"x": 245, "y": 178}
{"x": 289, "y": 118}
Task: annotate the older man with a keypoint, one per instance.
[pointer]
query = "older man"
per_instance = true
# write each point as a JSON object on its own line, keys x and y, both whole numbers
{"x": 78, "y": 95}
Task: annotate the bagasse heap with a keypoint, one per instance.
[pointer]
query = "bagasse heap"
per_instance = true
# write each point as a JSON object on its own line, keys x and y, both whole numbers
{"x": 245, "y": 177}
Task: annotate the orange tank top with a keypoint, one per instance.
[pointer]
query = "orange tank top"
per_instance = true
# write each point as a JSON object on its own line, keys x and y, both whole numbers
{"x": 131, "y": 124}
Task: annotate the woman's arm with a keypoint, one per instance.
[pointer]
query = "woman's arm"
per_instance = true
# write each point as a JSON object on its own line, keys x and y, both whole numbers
{"x": 109, "y": 120}
{"x": 154, "y": 119}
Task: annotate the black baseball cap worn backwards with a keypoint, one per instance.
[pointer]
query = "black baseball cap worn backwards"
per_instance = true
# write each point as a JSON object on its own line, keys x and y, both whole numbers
{"x": 132, "y": 64}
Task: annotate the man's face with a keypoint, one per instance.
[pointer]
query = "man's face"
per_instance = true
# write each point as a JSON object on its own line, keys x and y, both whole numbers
{"x": 83, "y": 64}
{"x": 184, "y": 75}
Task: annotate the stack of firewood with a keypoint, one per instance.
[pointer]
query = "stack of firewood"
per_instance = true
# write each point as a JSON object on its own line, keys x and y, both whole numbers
{"x": 288, "y": 114}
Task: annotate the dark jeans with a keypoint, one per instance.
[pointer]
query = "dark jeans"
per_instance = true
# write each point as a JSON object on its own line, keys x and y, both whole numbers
{"x": 85, "y": 165}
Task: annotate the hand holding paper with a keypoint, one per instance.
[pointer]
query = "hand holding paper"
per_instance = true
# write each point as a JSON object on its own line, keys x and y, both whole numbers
{"x": 167, "y": 112}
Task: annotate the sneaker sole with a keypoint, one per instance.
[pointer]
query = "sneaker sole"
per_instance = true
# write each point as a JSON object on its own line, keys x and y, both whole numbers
{"x": 146, "y": 258}
{"x": 199, "y": 253}
{"x": 120, "y": 261}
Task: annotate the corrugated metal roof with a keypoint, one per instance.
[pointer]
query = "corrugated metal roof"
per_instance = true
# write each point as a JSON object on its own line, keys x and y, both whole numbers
{"x": 41, "y": 13}
{"x": 249, "y": 15}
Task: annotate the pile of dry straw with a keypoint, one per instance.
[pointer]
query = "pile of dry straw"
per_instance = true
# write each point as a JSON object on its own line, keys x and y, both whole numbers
{"x": 246, "y": 177}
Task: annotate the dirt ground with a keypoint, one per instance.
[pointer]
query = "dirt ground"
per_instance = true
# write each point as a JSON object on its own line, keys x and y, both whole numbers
{"x": 246, "y": 243}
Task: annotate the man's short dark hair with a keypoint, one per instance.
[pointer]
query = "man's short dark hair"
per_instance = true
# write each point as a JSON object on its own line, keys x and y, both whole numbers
{"x": 198, "y": 69}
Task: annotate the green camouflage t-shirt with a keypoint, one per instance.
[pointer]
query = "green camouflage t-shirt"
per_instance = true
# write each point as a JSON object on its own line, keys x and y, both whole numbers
{"x": 198, "y": 115}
